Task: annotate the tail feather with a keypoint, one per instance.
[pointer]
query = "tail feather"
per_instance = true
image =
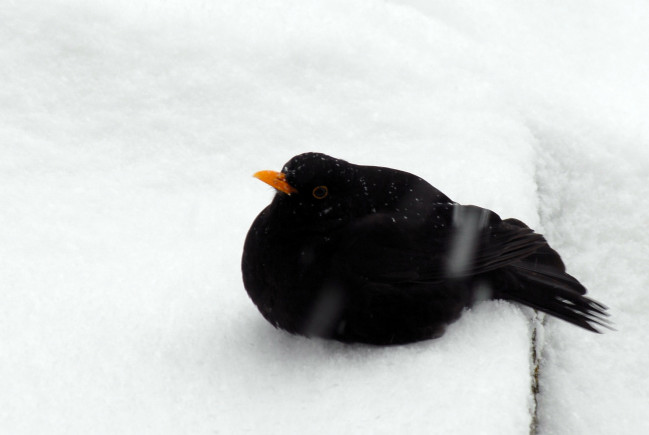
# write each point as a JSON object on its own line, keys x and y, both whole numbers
{"x": 560, "y": 296}
{"x": 540, "y": 281}
{"x": 548, "y": 276}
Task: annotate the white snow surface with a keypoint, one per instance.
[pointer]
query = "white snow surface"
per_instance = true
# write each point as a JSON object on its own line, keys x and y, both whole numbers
{"x": 128, "y": 135}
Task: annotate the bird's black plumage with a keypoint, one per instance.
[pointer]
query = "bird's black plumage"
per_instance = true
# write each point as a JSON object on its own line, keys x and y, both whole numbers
{"x": 376, "y": 255}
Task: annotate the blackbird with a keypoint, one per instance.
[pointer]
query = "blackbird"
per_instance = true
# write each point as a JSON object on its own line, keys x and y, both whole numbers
{"x": 377, "y": 255}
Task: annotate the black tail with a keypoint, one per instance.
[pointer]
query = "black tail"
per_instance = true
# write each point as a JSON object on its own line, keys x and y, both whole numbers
{"x": 540, "y": 281}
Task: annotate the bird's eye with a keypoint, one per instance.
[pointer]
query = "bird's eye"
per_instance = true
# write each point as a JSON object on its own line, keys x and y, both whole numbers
{"x": 320, "y": 192}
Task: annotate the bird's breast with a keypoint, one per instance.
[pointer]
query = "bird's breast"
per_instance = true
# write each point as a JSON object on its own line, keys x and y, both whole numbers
{"x": 285, "y": 270}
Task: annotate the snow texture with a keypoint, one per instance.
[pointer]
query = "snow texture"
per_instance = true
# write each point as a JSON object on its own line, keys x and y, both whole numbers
{"x": 129, "y": 132}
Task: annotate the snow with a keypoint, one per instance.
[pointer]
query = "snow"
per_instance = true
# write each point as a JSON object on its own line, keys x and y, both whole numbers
{"x": 129, "y": 133}
{"x": 592, "y": 381}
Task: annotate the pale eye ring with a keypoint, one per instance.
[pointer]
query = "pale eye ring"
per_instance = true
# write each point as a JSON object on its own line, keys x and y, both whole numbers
{"x": 320, "y": 192}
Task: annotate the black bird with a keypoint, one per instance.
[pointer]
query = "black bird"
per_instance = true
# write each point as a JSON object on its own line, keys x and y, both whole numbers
{"x": 377, "y": 255}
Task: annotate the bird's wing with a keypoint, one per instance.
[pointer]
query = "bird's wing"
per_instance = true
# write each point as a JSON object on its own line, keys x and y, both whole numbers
{"x": 462, "y": 241}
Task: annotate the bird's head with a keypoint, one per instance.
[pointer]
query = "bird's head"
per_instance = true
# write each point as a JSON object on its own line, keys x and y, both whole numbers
{"x": 313, "y": 187}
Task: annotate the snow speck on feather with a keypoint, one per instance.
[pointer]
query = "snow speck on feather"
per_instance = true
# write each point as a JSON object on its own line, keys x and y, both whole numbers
{"x": 129, "y": 134}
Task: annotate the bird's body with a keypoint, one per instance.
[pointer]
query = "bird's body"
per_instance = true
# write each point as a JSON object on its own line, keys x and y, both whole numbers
{"x": 376, "y": 255}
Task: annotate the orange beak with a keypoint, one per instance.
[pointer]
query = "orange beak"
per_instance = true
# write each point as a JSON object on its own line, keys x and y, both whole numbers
{"x": 276, "y": 180}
